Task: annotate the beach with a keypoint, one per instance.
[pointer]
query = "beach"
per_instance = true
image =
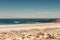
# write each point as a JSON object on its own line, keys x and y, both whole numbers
{"x": 43, "y": 31}
{"x": 29, "y": 26}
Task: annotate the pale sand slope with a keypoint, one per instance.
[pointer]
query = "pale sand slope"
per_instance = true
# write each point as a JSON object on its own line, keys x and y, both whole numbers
{"x": 48, "y": 31}
{"x": 29, "y": 26}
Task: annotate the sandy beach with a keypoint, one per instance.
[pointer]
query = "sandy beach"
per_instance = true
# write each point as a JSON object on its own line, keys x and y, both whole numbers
{"x": 44, "y": 31}
{"x": 29, "y": 26}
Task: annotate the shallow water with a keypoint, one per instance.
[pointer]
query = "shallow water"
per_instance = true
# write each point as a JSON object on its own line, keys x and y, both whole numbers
{"x": 35, "y": 24}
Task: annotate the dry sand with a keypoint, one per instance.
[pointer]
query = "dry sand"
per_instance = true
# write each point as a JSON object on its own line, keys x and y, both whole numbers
{"x": 46, "y": 31}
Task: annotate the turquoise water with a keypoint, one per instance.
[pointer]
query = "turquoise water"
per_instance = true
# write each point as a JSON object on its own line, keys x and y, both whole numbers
{"x": 25, "y": 21}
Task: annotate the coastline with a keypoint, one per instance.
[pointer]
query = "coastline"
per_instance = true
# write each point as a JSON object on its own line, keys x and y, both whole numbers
{"x": 28, "y": 26}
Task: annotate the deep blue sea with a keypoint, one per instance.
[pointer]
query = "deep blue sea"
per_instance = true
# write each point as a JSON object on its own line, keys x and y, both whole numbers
{"x": 26, "y": 20}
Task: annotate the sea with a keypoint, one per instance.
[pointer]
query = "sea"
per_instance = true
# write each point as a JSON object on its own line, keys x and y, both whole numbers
{"x": 9, "y": 21}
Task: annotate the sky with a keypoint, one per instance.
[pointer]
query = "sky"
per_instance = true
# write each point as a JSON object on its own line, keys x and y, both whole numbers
{"x": 29, "y": 8}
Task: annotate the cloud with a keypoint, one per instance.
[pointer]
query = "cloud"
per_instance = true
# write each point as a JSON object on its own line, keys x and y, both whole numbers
{"x": 43, "y": 12}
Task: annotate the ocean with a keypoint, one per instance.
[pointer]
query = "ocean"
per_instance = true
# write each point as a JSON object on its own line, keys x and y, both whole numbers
{"x": 26, "y": 21}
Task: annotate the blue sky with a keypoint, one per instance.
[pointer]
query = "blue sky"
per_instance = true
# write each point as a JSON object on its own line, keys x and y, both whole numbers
{"x": 29, "y": 8}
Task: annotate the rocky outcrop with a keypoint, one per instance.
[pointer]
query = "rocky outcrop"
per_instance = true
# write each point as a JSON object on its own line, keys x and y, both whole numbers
{"x": 58, "y": 20}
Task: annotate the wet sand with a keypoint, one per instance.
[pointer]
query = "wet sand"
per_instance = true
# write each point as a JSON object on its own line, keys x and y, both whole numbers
{"x": 29, "y": 26}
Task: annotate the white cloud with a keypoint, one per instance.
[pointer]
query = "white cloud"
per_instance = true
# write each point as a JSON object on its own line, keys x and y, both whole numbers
{"x": 43, "y": 12}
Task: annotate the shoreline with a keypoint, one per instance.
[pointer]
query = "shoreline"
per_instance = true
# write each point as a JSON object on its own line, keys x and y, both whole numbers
{"x": 28, "y": 26}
